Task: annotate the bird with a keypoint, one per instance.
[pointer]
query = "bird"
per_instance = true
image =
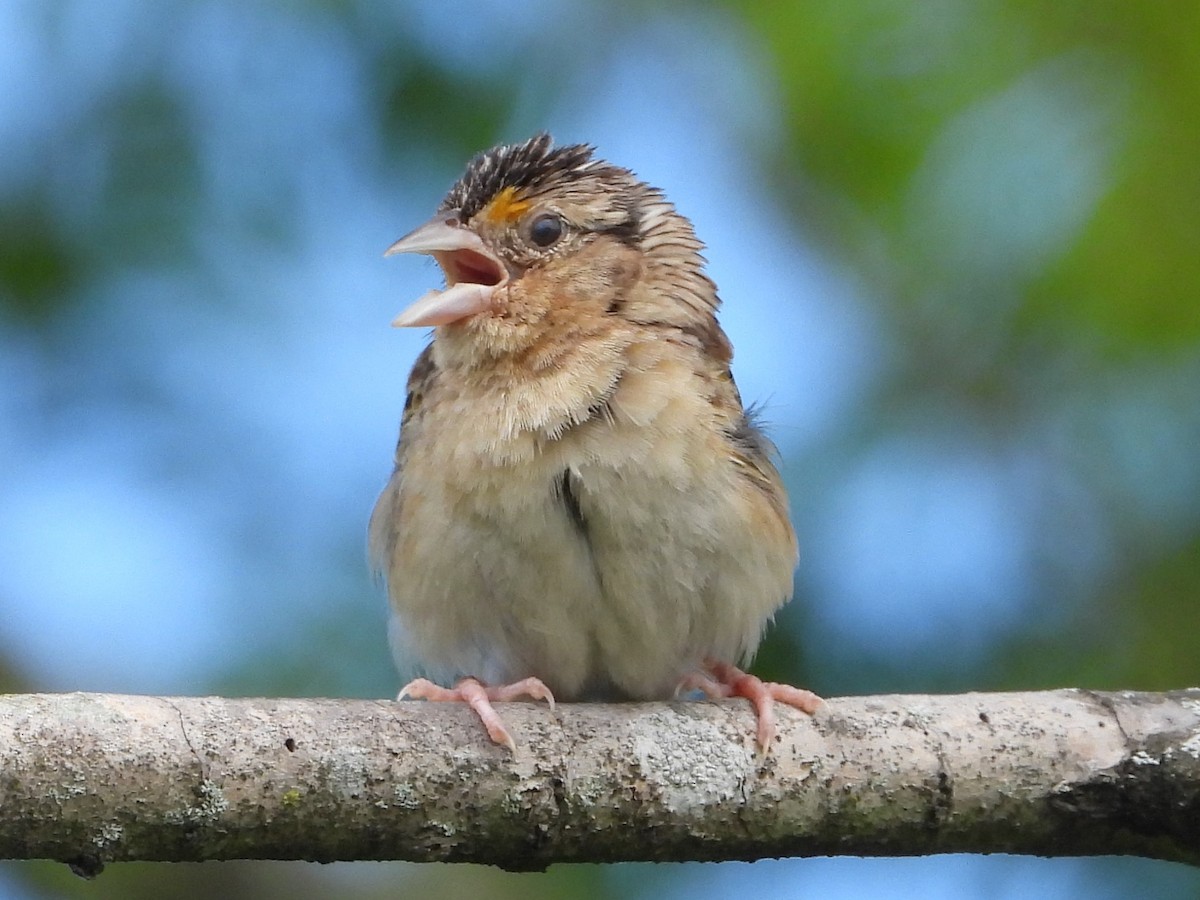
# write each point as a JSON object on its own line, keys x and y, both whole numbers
{"x": 581, "y": 506}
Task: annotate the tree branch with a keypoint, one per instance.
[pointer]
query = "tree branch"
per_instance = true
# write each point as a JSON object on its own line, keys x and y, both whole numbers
{"x": 93, "y": 778}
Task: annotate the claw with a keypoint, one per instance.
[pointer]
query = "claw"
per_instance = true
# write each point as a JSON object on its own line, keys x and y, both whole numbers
{"x": 730, "y": 681}
{"x": 480, "y": 697}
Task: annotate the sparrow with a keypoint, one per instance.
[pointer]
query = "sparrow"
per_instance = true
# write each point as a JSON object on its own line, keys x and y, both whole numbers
{"x": 581, "y": 507}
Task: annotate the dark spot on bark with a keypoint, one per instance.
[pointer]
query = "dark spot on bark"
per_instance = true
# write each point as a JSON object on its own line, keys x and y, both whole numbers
{"x": 86, "y": 866}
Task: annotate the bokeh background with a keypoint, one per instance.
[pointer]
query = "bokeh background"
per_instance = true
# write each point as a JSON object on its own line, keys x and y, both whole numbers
{"x": 957, "y": 241}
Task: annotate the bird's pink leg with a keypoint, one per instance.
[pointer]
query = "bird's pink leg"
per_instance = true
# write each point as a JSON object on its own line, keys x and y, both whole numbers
{"x": 730, "y": 681}
{"x": 479, "y": 696}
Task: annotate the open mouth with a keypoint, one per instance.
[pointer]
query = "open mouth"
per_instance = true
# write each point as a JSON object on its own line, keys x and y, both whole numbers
{"x": 470, "y": 267}
{"x": 473, "y": 272}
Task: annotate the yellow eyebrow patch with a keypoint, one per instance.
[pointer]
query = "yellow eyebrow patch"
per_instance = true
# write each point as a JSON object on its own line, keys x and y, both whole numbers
{"x": 505, "y": 207}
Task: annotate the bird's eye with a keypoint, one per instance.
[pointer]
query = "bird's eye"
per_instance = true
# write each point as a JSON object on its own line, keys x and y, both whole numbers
{"x": 546, "y": 229}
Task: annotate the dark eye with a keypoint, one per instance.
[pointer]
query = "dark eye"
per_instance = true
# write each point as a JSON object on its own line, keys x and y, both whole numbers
{"x": 546, "y": 229}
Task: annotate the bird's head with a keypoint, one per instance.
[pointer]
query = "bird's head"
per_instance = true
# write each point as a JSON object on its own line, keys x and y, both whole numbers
{"x": 535, "y": 237}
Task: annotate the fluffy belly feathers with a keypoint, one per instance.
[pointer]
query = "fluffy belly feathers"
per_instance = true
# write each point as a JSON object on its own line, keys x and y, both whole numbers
{"x": 603, "y": 580}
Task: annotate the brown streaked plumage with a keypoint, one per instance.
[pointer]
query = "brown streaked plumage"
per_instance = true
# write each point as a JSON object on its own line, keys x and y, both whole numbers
{"x": 581, "y": 507}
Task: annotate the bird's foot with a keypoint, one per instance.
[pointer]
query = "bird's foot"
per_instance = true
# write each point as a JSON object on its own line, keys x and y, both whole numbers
{"x": 721, "y": 680}
{"x": 480, "y": 698}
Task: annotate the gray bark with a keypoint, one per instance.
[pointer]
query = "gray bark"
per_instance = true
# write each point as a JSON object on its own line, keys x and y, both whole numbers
{"x": 94, "y": 778}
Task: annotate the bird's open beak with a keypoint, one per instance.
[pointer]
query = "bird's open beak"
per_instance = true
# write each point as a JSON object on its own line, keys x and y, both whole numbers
{"x": 472, "y": 272}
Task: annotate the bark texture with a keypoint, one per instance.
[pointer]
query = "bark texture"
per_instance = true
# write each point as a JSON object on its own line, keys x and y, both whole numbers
{"x": 94, "y": 778}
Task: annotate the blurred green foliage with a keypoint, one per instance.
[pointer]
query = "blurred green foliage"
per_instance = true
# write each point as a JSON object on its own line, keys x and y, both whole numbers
{"x": 38, "y": 267}
{"x": 868, "y": 87}
{"x": 871, "y": 91}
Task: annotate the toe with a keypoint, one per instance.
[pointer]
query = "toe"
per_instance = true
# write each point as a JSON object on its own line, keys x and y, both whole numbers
{"x": 762, "y": 695}
{"x": 797, "y": 698}
{"x": 480, "y": 700}
{"x": 533, "y": 688}
{"x": 424, "y": 689}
